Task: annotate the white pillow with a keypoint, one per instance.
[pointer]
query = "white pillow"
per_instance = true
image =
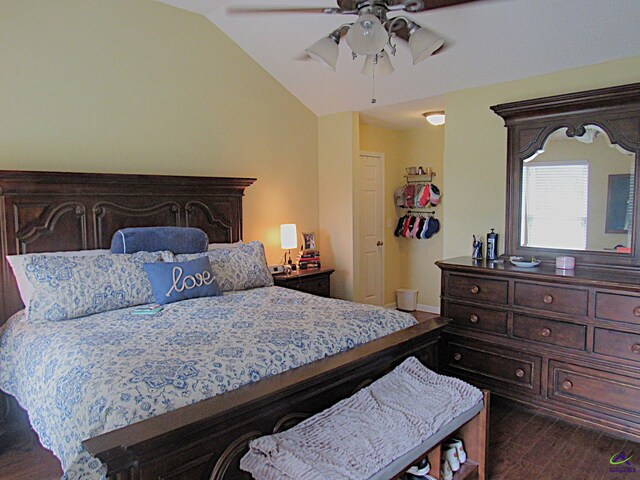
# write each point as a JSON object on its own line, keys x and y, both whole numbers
{"x": 24, "y": 285}
{"x": 217, "y": 246}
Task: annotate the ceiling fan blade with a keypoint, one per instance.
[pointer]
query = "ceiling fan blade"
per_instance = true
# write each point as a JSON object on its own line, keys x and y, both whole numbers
{"x": 253, "y": 10}
{"x": 425, "y": 5}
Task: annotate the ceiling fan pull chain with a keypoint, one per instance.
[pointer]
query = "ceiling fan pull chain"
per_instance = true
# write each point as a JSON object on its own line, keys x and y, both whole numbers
{"x": 373, "y": 80}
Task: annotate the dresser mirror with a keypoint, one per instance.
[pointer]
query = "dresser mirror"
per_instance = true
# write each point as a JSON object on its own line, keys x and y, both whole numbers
{"x": 577, "y": 193}
{"x": 572, "y": 162}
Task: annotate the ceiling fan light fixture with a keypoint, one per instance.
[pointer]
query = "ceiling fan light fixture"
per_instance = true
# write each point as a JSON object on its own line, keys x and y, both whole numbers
{"x": 325, "y": 52}
{"x": 423, "y": 43}
{"x": 367, "y": 36}
{"x": 381, "y": 68}
{"x": 435, "y": 118}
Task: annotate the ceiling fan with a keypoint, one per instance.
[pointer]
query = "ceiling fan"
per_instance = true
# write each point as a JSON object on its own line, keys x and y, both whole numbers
{"x": 372, "y": 34}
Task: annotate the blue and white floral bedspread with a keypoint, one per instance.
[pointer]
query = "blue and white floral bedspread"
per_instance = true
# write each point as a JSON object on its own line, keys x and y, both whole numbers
{"x": 83, "y": 377}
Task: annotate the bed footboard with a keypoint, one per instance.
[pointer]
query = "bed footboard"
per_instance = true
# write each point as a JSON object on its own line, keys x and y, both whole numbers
{"x": 206, "y": 440}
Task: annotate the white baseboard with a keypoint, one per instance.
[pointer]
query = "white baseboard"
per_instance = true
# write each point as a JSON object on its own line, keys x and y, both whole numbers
{"x": 421, "y": 307}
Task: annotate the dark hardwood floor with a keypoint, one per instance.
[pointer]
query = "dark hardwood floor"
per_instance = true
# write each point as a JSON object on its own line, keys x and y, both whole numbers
{"x": 23, "y": 458}
{"x": 525, "y": 445}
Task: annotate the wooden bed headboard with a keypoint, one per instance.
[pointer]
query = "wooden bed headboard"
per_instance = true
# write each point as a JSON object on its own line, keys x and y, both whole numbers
{"x": 52, "y": 211}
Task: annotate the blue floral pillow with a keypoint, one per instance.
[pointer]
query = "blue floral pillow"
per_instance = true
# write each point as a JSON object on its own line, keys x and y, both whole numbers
{"x": 237, "y": 268}
{"x": 72, "y": 287}
{"x": 176, "y": 281}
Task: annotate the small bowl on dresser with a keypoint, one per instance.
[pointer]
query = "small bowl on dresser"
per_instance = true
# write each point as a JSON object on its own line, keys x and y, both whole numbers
{"x": 525, "y": 262}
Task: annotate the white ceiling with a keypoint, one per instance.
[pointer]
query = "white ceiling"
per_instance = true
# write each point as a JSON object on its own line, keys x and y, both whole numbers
{"x": 489, "y": 41}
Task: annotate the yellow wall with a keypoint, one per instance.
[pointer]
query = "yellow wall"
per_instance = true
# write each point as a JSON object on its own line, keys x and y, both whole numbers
{"x": 337, "y": 148}
{"x": 408, "y": 263}
{"x": 476, "y": 140}
{"x": 126, "y": 86}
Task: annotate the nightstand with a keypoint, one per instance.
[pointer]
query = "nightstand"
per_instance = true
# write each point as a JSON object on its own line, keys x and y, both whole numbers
{"x": 310, "y": 280}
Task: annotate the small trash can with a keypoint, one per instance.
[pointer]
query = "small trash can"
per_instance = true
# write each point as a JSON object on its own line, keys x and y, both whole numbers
{"x": 407, "y": 299}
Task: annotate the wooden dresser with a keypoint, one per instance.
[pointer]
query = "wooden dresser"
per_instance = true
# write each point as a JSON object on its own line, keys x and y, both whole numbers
{"x": 316, "y": 281}
{"x": 567, "y": 343}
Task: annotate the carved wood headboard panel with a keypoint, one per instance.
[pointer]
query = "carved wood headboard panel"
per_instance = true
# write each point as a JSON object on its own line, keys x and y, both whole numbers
{"x": 51, "y": 211}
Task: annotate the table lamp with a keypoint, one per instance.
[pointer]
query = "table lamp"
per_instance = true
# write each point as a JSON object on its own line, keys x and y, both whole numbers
{"x": 288, "y": 239}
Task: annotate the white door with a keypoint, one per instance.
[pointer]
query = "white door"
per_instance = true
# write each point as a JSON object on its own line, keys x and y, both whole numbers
{"x": 371, "y": 203}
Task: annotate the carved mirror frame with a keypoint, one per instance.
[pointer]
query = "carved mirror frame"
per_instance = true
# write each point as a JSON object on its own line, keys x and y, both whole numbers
{"x": 616, "y": 110}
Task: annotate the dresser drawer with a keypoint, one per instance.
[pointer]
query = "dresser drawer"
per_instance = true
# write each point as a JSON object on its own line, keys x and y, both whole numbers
{"x": 554, "y": 299}
{"x": 480, "y": 289}
{"x": 617, "y": 344}
{"x": 552, "y": 332}
{"x": 499, "y": 368}
{"x": 622, "y": 308}
{"x": 612, "y": 393}
{"x": 476, "y": 318}
{"x": 316, "y": 286}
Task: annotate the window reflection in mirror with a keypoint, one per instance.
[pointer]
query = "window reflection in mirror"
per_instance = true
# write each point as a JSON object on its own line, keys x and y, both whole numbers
{"x": 577, "y": 193}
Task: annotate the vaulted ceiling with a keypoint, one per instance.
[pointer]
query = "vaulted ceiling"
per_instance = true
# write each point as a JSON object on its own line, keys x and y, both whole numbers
{"x": 488, "y": 41}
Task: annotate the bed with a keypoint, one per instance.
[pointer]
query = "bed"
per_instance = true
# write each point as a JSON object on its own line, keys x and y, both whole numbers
{"x": 194, "y": 408}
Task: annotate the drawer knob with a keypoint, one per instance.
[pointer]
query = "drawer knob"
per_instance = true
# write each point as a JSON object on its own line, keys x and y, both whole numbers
{"x": 457, "y": 356}
{"x": 547, "y": 299}
{"x": 474, "y": 319}
{"x": 636, "y": 311}
{"x": 519, "y": 372}
{"x": 636, "y": 348}
{"x": 475, "y": 289}
{"x": 545, "y": 332}
{"x": 567, "y": 385}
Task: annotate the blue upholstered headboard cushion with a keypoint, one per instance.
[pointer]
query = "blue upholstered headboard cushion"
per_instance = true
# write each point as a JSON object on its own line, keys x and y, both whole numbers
{"x": 179, "y": 240}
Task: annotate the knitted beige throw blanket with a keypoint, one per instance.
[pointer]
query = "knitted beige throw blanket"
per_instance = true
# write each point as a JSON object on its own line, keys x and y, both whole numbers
{"x": 357, "y": 437}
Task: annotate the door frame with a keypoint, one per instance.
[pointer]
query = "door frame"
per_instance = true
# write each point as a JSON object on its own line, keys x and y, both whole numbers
{"x": 359, "y": 176}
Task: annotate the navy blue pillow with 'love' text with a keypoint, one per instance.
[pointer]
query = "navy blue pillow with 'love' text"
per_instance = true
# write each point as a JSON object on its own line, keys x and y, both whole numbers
{"x": 176, "y": 281}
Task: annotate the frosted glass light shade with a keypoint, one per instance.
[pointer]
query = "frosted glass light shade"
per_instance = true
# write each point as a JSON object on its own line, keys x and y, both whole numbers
{"x": 435, "y": 118}
{"x": 381, "y": 69}
{"x": 423, "y": 43}
{"x": 288, "y": 236}
{"x": 325, "y": 52}
{"x": 367, "y": 36}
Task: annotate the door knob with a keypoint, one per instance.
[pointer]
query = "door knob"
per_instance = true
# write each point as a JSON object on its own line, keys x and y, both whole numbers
{"x": 379, "y": 243}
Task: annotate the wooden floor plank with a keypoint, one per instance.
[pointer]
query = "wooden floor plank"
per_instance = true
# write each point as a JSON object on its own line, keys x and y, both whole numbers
{"x": 547, "y": 448}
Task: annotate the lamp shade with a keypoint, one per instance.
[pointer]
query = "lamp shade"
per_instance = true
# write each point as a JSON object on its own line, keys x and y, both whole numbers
{"x": 288, "y": 236}
{"x": 423, "y": 43}
{"x": 367, "y": 36}
{"x": 381, "y": 68}
{"x": 325, "y": 52}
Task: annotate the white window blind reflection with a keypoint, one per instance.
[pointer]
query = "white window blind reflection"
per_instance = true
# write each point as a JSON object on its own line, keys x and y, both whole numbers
{"x": 555, "y": 199}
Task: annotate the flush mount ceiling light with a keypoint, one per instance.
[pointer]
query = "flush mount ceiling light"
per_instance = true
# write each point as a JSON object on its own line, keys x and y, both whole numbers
{"x": 435, "y": 118}
{"x": 373, "y": 32}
